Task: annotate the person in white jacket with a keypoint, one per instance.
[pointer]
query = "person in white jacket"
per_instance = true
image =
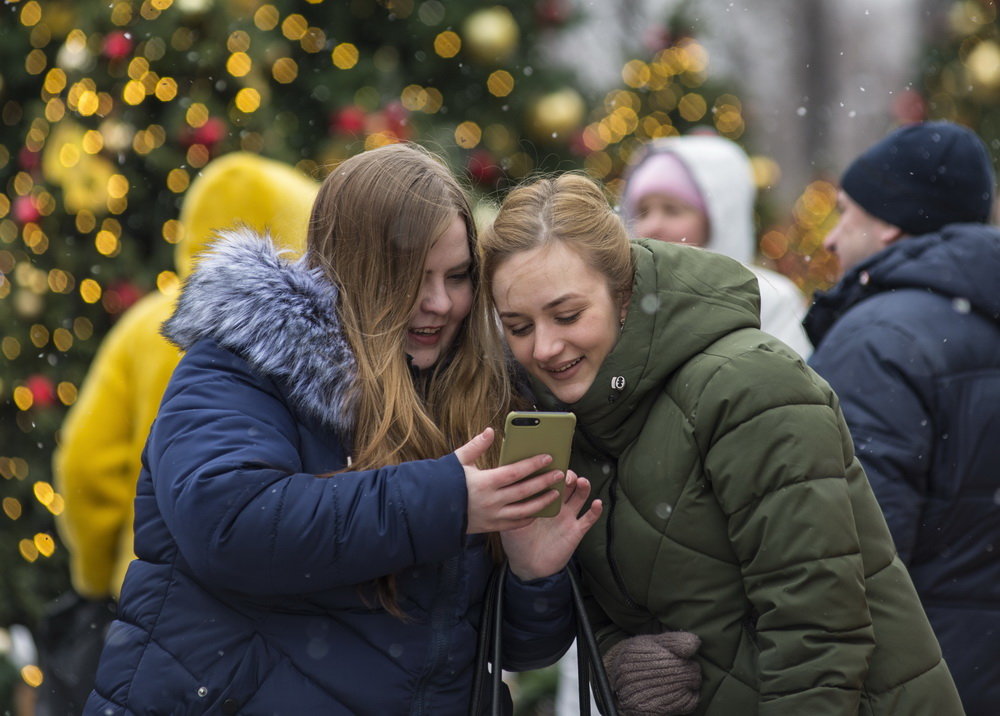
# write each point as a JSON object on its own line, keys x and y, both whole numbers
{"x": 699, "y": 190}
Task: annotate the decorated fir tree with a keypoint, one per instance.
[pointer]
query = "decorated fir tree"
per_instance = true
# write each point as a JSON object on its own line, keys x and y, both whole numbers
{"x": 961, "y": 72}
{"x": 109, "y": 110}
{"x": 668, "y": 89}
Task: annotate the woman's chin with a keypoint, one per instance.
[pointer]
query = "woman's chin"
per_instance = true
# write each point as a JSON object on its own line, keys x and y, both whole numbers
{"x": 566, "y": 391}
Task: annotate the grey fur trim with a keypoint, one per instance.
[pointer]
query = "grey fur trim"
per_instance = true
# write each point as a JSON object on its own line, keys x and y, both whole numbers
{"x": 277, "y": 315}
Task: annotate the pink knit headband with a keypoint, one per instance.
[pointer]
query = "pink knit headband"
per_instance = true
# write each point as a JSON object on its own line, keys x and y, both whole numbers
{"x": 662, "y": 173}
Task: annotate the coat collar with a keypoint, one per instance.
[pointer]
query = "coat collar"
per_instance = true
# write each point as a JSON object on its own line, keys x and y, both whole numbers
{"x": 960, "y": 262}
{"x": 278, "y": 315}
{"x": 683, "y": 300}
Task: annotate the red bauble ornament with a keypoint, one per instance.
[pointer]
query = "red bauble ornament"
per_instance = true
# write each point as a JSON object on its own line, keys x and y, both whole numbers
{"x": 553, "y": 12}
{"x": 120, "y": 296}
{"x": 349, "y": 120}
{"x": 909, "y": 106}
{"x": 43, "y": 392}
{"x": 482, "y": 167}
{"x": 29, "y": 160}
{"x": 210, "y": 133}
{"x": 117, "y": 45}
{"x": 398, "y": 119}
{"x": 656, "y": 38}
{"x": 25, "y": 210}
{"x": 578, "y": 145}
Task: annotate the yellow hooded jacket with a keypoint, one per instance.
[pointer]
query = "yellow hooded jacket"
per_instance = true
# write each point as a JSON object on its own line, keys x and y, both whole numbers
{"x": 98, "y": 460}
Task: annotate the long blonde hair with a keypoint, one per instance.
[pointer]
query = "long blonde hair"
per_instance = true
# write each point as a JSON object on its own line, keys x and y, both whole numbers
{"x": 569, "y": 208}
{"x": 373, "y": 223}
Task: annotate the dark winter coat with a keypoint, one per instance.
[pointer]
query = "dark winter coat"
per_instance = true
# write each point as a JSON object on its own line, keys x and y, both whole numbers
{"x": 243, "y": 598}
{"x": 910, "y": 340}
{"x": 735, "y": 509}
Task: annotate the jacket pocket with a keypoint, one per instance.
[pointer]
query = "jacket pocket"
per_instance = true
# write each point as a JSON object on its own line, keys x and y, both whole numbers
{"x": 257, "y": 663}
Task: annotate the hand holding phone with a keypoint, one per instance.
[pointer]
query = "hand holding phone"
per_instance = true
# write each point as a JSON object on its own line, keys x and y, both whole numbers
{"x": 527, "y": 434}
{"x": 505, "y": 497}
{"x": 544, "y": 546}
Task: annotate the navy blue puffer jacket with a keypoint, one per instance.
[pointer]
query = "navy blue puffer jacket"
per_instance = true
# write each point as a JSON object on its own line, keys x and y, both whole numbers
{"x": 910, "y": 341}
{"x": 243, "y": 598}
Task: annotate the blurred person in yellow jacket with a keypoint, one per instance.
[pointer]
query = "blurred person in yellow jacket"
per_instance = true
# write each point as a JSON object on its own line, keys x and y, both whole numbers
{"x": 98, "y": 460}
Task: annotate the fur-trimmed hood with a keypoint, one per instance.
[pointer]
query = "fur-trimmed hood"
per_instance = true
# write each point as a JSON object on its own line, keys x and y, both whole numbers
{"x": 278, "y": 315}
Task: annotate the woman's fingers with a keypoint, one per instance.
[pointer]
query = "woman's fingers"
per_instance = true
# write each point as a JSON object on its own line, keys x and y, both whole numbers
{"x": 572, "y": 484}
{"x": 520, "y": 510}
{"x": 470, "y": 453}
{"x": 508, "y": 497}
{"x": 588, "y": 519}
{"x": 514, "y": 473}
{"x": 579, "y": 493}
{"x": 525, "y": 487}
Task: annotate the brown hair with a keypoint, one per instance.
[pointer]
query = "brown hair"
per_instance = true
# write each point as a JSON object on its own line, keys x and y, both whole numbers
{"x": 570, "y": 208}
{"x": 373, "y": 223}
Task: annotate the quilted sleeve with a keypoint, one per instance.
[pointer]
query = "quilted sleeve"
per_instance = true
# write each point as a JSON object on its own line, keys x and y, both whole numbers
{"x": 228, "y": 480}
{"x": 538, "y": 621}
{"x": 776, "y": 461}
{"x": 884, "y": 386}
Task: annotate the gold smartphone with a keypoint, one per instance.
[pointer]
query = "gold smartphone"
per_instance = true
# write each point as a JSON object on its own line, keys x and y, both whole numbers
{"x": 527, "y": 434}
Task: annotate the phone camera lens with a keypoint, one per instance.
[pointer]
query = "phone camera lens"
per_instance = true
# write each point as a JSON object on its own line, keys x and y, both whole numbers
{"x": 526, "y": 421}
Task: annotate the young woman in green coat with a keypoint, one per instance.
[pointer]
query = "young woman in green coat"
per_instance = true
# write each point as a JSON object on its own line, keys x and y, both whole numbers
{"x": 735, "y": 512}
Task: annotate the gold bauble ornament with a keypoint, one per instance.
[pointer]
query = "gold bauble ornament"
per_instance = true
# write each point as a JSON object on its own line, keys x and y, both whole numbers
{"x": 28, "y": 304}
{"x": 63, "y": 151}
{"x": 984, "y": 64}
{"x": 490, "y": 35}
{"x": 557, "y": 115}
{"x": 74, "y": 57}
{"x": 967, "y": 17}
{"x": 117, "y": 135}
{"x": 198, "y": 7}
{"x": 60, "y": 17}
{"x": 87, "y": 186}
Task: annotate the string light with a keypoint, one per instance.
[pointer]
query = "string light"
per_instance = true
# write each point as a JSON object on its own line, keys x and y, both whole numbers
{"x": 114, "y": 135}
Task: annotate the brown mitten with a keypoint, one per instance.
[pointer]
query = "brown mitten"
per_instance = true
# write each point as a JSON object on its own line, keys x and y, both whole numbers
{"x": 655, "y": 674}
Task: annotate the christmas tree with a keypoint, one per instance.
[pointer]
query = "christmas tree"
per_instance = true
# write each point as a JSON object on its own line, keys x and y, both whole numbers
{"x": 961, "y": 73}
{"x": 109, "y": 110}
{"x": 958, "y": 80}
{"x": 668, "y": 89}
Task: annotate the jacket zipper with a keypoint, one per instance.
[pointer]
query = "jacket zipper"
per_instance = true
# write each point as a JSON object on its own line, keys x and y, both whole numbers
{"x": 610, "y": 529}
{"x": 609, "y": 547}
{"x": 439, "y": 623}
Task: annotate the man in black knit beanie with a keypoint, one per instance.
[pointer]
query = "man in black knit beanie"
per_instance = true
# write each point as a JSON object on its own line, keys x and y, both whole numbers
{"x": 910, "y": 341}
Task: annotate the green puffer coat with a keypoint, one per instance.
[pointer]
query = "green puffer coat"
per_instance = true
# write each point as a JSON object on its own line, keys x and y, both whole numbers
{"x": 734, "y": 508}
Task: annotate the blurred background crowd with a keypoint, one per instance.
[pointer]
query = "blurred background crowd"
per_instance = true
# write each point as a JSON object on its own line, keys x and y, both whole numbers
{"x": 110, "y": 110}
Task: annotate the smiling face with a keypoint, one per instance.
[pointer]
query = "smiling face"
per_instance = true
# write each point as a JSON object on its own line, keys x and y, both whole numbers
{"x": 559, "y": 317}
{"x": 444, "y": 299}
{"x": 667, "y": 218}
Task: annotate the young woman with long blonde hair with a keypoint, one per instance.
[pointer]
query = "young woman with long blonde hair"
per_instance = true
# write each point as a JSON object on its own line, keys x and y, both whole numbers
{"x": 309, "y": 538}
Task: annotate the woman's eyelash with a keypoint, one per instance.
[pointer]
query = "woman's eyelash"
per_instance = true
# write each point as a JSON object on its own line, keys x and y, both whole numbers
{"x": 564, "y": 320}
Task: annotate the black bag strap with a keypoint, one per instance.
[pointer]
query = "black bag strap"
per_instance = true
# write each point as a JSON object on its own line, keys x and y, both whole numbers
{"x": 589, "y": 662}
{"x": 489, "y": 623}
{"x": 497, "y": 676}
{"x": 489, "y": 653}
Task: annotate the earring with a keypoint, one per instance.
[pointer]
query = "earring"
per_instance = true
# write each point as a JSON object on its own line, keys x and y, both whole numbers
{"x": 621, "y": 324}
